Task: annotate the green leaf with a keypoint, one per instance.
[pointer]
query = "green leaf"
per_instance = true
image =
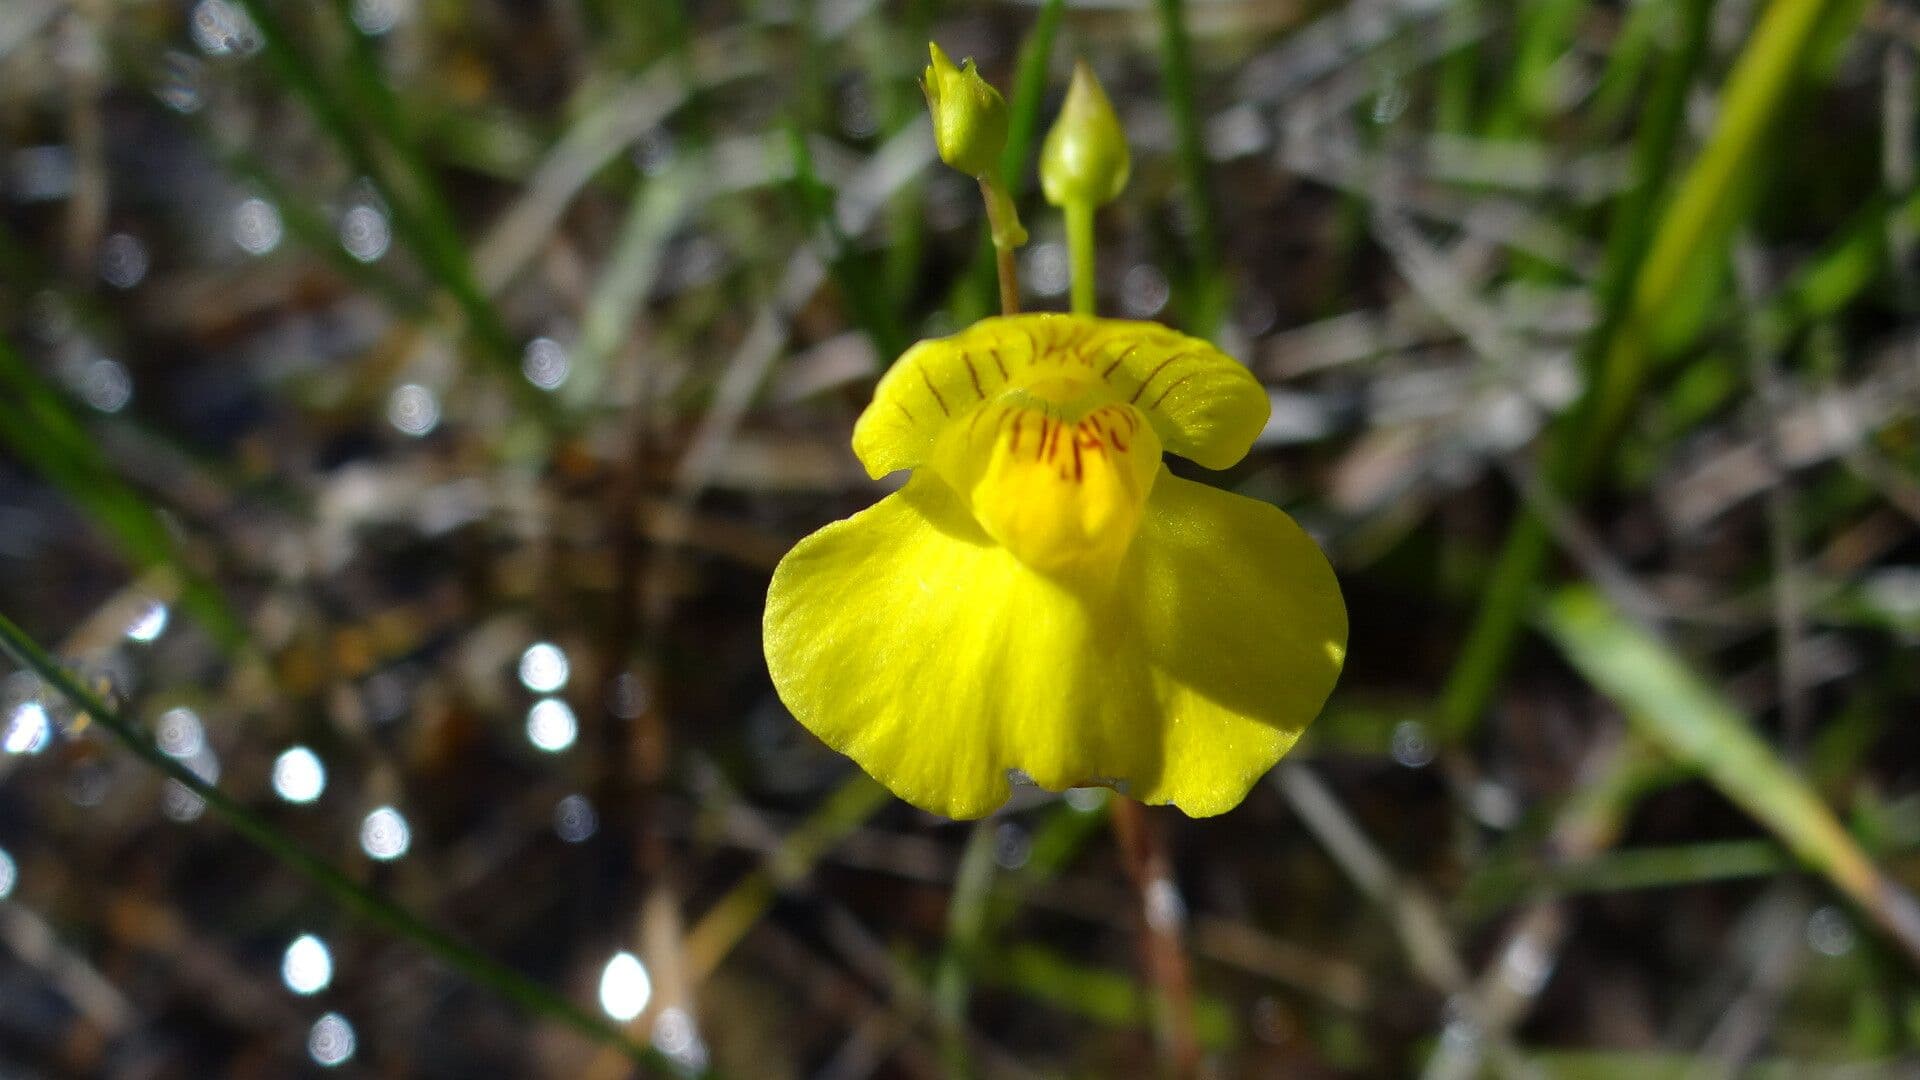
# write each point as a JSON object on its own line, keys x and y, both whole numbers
{"x": 1671, "y": 705}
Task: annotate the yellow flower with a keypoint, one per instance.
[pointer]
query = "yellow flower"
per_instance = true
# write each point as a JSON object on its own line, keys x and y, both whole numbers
{"x": 1043, "y": 596}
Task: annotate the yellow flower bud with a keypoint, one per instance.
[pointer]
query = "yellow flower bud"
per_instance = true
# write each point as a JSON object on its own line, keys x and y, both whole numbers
{"x": 1085, "y": 158}
{"x": 969, "y": 115}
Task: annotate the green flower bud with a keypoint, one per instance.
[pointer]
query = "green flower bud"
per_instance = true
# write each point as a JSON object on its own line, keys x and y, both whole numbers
{"x": 1085, "y": 158}
{"x": 969, "y": 115}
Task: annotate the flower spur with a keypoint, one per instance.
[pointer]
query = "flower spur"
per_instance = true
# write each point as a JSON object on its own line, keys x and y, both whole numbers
{"x": 1043, "y": 597}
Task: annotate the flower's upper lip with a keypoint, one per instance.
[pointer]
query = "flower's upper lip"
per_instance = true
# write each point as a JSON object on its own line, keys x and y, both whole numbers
{"x": 1203, "y": 404}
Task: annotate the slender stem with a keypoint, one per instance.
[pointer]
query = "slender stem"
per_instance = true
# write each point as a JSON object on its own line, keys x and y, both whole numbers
{"x": 998, "y": 209}
{"x": 1023, "y": 125}
{"x": 1207, "y": 284}
{"x": 1009, "y": 281}
{"x": 333, "y": 881}
{"x": 1080, "y": 254}
{"x": 1163, "y": 950}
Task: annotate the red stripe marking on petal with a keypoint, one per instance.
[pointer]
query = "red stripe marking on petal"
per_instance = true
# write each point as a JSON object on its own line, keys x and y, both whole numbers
{"x": 935, "y": 391}
{"x": 1151, "y": 375}
{"x": 1169, "y": 389}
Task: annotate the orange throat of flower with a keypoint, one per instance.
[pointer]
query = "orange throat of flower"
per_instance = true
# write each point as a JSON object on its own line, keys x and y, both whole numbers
{"x": 1057, "y": 470}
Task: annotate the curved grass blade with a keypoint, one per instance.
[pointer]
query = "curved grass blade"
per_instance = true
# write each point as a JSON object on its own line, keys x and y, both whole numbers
{"x": 332, "y": 881}
{"x": 1671, "y": 705}
{"x": 1649, "y": 258}
{"x": 39, "y": 427}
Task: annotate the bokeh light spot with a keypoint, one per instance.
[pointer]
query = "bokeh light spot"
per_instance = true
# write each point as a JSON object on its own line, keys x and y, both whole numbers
{"x": 574, "y": 819}
{"x": 625, "y": 987}
{"x": 29, "y": 729}
{"x": 545, "y": 363}
{"x": 123, "y": 260}
{"x": 307, "y": 966}
{"x": 149, "y": 624}
{"x": 376, "y": 17}
{"x": 365, "y": 233}
{"x": 385, "y": 835}
{"x": 221, "y": 28}
{"x": 331, "y": 1042}
{"x": 298, "y": 775}
{"x": 413, "y": 409}
{"x": 551, "y": 725}
{"x": 256, "y": 226}
{"x": 107, "y": 385}
{"x": 543, "y": 667}
{"x": 179, "y": 733}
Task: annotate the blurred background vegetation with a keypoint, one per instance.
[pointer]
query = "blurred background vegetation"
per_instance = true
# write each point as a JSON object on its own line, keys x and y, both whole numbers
{"x": 403, "y": 403}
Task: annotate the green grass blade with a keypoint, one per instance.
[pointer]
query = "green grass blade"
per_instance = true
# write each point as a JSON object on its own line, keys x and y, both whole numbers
{"x": 39, "y": 427}
{"x": 330, "y": 879}
{"x": 1706, "y": 206}
{"x": 1671, "y": 705}
{"x": 1649, "y": 258}
{"x": 853, "y": 270}
{"x": 1105, "y": 997}
{"x": 967, "y": 912}
{"x": 850, "y": 806}
{"x": 420, "y": 214}
{"x": 657, "y": 209}
{"x": 1206, "y": 277}
{"x": 1029, "y": 90}
{"x": 1546, "y": 29}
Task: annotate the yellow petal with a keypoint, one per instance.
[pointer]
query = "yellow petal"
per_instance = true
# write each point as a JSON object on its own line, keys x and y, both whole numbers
{"x": 1246, "y": 634}
{"x": 906, "y": 638}
{"x": 1202, "y": 403}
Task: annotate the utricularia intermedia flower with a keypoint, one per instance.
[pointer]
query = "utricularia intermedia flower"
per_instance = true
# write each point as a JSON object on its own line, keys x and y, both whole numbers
{"x": 1043, "y": 597}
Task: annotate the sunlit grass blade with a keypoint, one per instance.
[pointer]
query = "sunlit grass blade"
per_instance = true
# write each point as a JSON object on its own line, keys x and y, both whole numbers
{"x": 330, "y": 879}
{"x": 1029, "y": 90}
{"x": 1633, "y": 868}
{"x": 659, "y": 206}
{"x": 1671, "y": 705}
{"x": 1706, "y": 205}
{"x": 1851, "y": 262}
{"x": 1507, "y": 593}
{"x": 1649, "y": 258}
{"x": 898, "y": 46}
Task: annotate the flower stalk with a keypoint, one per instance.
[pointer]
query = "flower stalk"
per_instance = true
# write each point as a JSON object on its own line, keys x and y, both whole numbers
{"x": 1004, "y": 222}
{"x": 1079, "y": 217}
{"x": 970, "y": 132}
{"x": 1145, "y": 855}
{"x": 1084, "y": 164}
